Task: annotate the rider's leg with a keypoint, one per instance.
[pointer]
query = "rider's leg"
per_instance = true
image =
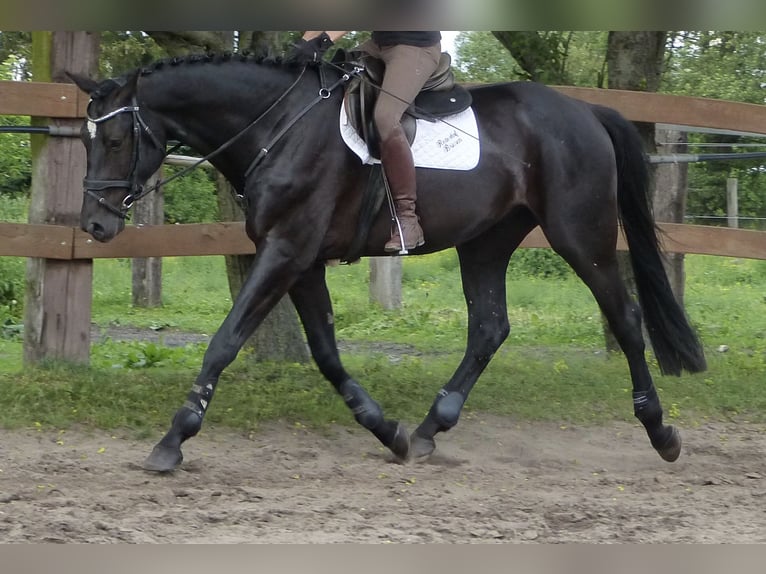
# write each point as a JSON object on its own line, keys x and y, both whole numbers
{"x": 407, "y": 70}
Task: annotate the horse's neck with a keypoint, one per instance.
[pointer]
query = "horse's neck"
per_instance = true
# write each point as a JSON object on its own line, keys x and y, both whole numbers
{"x": 205, "y": 105}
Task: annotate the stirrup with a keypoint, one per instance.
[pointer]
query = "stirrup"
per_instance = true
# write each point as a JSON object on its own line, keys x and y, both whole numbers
{"x": 403, "y": 248}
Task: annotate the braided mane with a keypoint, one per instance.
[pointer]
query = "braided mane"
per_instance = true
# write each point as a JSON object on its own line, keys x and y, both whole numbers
{"x": 211, "y": 58}
{"x": 108, "y": 86}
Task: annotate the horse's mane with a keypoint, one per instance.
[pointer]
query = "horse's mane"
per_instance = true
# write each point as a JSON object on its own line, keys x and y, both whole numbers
{"x": 208, "y": 58}
{"x": 215, "y": 58}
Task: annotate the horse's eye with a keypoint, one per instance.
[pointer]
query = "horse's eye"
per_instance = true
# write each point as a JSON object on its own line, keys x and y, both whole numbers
{"x": 115, "y": 143}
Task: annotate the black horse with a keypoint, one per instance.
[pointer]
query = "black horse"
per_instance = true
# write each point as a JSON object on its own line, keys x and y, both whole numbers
{"x": 271, "y": 127}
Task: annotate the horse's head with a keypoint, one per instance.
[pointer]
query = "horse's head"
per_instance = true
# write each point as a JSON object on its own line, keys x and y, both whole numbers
{"x": 123, "y": 152}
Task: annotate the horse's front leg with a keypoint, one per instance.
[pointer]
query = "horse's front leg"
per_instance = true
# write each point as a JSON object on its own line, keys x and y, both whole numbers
{"x": 312, "y": 301}
{"x": 269, "y": 278}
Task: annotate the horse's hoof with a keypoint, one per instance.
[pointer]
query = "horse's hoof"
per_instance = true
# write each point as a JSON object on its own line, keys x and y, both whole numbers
{"x": 163, "y": 459}
{"x": 671, "y": 450}
{"x": 421, "y": 447}
{"x": 400, "y": 445}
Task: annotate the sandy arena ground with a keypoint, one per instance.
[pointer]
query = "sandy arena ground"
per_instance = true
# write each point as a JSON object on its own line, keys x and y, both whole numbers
{"x": 491, "y": 479}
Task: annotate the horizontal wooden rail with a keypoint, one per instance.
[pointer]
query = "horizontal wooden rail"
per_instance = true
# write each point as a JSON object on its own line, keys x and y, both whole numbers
{"x": 681, "y": 110}
{"x": 686, "y": 238}
{"x": 28, "y": 240}
{"x": 58, "y": 242}
{"x": 44, "y": 99}
{"x": 62, "y": 100}
{"x": 168, "y": 240}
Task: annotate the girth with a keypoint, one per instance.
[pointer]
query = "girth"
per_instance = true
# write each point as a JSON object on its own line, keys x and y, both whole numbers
{"x": 441, "y": 96}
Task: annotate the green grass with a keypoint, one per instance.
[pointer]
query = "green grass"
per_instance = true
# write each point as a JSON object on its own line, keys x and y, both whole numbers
{"x": 195, "y": 295}
{"x": 551, "y": 368}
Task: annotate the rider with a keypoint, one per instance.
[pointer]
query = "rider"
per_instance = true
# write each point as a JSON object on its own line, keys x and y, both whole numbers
{"x": 410, "y": 59}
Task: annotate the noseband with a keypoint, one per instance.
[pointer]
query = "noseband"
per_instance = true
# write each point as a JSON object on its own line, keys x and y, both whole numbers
{"x": 94, "y": 187}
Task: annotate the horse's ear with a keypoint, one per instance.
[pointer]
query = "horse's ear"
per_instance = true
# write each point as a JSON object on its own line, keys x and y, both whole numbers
{"x": 85, "y": 83}
{"x": 132, "y": 82}
{"x": 128, "y": 84}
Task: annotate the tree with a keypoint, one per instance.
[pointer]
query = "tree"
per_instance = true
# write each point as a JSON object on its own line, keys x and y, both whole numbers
{"x": 541, "y": 55}
{"x": 574, "y": 58}
{"x": 481, "y": 58}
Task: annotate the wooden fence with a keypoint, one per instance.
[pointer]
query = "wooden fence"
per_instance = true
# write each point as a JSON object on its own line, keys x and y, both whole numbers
{"x": 67, "y": 243}
{"x": 63, "y": 243}
{"x": 56, "y": 100}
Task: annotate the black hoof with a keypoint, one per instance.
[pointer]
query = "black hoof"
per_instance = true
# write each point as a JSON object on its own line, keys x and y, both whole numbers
{"x": 400, "y": 445}
{"x": 163, "y": 459}
{"x": 671, "y": 449}
{"x": 421, "y": 447}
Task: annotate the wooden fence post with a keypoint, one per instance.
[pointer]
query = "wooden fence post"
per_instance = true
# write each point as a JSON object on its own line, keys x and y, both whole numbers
{"x": 669, "y": 201}
{"x": 58, "y": 293}
{"x": 147, "y": 271}
{"x": 386, "y": 281}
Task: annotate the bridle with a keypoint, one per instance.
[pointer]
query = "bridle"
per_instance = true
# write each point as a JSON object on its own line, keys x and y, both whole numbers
{"x": 94, "y": 187}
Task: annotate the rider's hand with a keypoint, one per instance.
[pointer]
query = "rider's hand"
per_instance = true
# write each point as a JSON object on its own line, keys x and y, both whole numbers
{"x": 310, "y": 51}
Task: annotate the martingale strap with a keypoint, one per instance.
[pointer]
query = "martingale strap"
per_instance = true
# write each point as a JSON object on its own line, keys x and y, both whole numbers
{"x": 324, "y": 93}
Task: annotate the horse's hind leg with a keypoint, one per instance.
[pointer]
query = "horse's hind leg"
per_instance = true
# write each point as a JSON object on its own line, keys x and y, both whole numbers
{"x": 584, "y": 249}
{"x": 483, "y": 265}
{"x": 312, "y": 301}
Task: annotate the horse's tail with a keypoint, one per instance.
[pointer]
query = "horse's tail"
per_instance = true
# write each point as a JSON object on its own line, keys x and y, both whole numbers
{"x": 675, "y": 343}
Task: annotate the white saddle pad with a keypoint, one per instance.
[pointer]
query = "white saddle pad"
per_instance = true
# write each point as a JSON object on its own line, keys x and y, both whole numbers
{"x": 449, "y": 143}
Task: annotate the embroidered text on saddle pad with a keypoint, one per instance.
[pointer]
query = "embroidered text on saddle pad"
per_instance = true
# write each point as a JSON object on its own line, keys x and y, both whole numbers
{"x": 449, "y": 143}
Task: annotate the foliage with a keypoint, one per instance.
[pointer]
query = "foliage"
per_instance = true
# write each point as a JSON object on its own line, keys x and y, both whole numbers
{"x": 578, "y": 56}
{"x": 11, "y": 289}
{"x": 124, "y": 51}
{"x": 191, "y": 198}
{"x": 481, "y": 58}
{"x": 730, "y": 66}
{"x": 542, "y": 263}
{"x": 541, "y": 55}
{"x": 145, "y": 355}
{"x": 725, "y": 65}
{"x": 13, "y": 208}
{"x": 586, "y": 59}
{"x": 16, "y": 47}
{"x": 15, "y": 158}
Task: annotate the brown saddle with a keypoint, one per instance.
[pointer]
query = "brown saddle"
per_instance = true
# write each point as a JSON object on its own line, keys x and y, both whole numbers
{"x": 441, "y": 96}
